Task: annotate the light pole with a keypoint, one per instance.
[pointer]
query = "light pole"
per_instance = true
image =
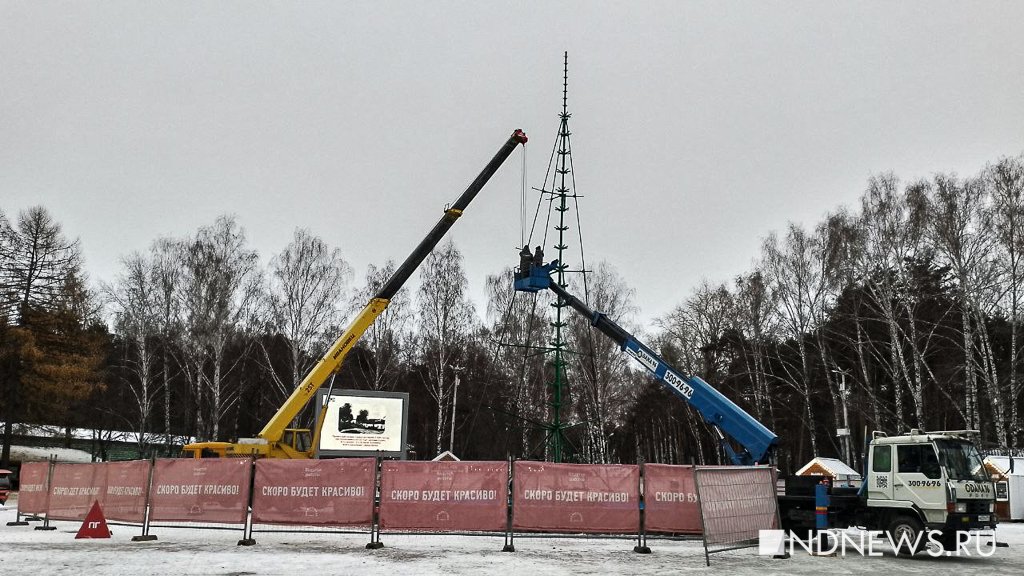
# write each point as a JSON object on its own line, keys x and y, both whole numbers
{"x": 844, "y": 432}
{"x": 455, "y": 397}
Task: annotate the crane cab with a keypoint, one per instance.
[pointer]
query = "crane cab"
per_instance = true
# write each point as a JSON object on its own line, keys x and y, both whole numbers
{"x": 298, "y": 439}
{"x": 294, "y": 443}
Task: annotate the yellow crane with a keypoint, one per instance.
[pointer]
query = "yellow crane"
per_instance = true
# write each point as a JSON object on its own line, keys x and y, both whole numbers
{"x": 277, "y": 440}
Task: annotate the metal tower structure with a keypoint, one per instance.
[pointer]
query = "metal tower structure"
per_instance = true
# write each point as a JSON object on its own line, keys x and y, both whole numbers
{"x": 560, "y": 193}
{"x": 559, "y": 190}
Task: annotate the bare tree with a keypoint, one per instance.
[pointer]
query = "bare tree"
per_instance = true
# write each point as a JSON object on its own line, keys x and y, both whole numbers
{"x": 894, "y": 225}
{"x": 40, "y": 259}
{"x": 795, "y": 271}
{"x": 220, "y": 286}
{"x": 8, "y": 247}
{"x": 960, "y": 233}
{"x": 307, "y": 282}
{"x": 446, "y": 317}
{"x": 692, "y": 333}
{"x": 389, "y": 336}
{"x": 600, "y": 370}
{"x": 1005, "y": 180}
{"x": 136, "y": 318}
{"x": 852, "y": 269}
{"x": 166, "y": 276}
{"x": 521, "y": 331}
{"x": 757, "y": 321}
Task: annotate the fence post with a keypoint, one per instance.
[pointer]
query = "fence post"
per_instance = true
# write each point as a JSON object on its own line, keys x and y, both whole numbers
{"x": 641, "y": 535}
{"x": 703, "y": 523}
{"x": 784, "y": 553}
{"x": 247, "y": 539}
{"x": 510, "y": 485}
{"x": 146, "y": 536}
{"x": 17, "y": 519}
{"x": 49, "y": 489}
{"x": 375, "y": 542}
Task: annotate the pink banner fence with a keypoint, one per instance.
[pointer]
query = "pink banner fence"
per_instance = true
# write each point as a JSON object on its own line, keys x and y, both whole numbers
{"x": 73, "y": 489}
{"x": 314, "y": 492}
{"x": 576, "y": 498}
{"x": 725, "y": 504}
{"x": 33, "y": 488}
{"x": 188, "y": 490}
{"x": 123, "y": 497}
{"x": 670, "y": 499}
{"x": 444, "y": 496}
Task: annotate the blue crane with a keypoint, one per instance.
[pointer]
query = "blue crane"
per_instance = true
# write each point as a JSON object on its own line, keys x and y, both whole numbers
{"x": 754, "y": 443}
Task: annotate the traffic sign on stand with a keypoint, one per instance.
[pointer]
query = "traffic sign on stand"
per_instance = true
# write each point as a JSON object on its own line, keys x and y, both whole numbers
{"x": 95, "y": 524}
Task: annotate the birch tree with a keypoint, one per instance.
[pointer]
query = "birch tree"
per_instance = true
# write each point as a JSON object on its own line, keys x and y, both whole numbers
{"x": 1005, "y": 181}
{"x": 166, "y": 270}
{"x": 445, "y": 320}
{"x": 307, "y": 281}
{"x": 517, "y": 320}
{"x": 389, "y": 336}
{"x": 756, "y": 320}
{"x": 599, "y": 367}
{"x": 960, "y": 224}
{"x": 853, "y": 272}
{"x": 692, "y": 342}
{"x": 795, "y": 271}
{"x": 136, "y": 318}
{"x": 220, "y": 287}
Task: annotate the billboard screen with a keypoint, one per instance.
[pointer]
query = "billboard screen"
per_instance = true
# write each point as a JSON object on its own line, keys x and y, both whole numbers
{"x": 364, "y": 423}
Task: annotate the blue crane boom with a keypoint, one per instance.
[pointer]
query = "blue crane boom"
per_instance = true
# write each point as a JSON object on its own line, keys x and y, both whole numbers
{"x": 754, "y": 442}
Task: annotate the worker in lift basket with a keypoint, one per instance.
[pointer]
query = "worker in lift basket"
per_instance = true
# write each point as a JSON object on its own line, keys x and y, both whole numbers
{"x": 524, "y": 262}
{"x": 538, "y": 257}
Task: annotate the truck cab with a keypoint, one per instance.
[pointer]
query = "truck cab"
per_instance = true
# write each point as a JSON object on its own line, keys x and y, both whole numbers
{"x": 928, "y": 480}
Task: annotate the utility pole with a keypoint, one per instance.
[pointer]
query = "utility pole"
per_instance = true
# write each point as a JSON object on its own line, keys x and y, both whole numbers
{"x": 455, "y": 397}
{"x": 844, "y": 432}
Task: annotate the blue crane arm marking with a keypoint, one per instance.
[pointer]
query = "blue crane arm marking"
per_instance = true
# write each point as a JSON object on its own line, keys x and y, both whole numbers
{"x": 659, "y": 368}
{"x": 716, "y": 409}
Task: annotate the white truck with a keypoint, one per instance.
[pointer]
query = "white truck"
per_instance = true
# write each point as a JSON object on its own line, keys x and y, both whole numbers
{"x": 919, "y": 488}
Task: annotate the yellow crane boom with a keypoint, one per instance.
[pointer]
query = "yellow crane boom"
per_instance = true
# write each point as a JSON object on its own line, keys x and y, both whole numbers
{"x": 277, "y": 440}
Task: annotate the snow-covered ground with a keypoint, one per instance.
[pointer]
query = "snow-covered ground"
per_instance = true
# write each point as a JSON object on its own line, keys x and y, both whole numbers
{"x": 37, "y": 454}
{"x": 48, "y": 431}
{"x": 24, "y": 550}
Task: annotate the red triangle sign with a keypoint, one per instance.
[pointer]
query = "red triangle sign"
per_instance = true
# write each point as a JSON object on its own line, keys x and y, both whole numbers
{"x": 94, "y": 525}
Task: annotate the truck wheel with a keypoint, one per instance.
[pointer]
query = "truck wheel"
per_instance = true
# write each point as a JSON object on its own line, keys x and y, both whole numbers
{"x": 905, "y": 534}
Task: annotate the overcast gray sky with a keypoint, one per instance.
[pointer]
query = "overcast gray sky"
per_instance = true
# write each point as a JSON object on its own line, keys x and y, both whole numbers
{"x": 698, "y": 127}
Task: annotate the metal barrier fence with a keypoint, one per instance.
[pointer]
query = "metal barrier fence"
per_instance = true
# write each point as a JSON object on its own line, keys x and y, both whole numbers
{"x": 33, "y": 492}
{"x": 736, "y": 503}
{"x": 333, "y": 496}
{"x": 368, "y": 496}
